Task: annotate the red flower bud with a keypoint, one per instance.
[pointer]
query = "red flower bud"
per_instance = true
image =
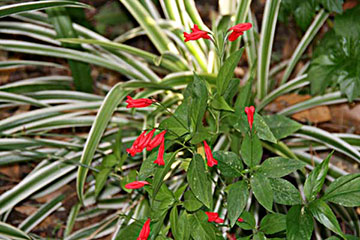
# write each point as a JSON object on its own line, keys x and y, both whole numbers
{"x": 160, "y": 158}
{"x": 145, "y": 231}
{"x": 196, "y": 34}
{"x": 136, "y": 184}
{"x": 138, "y": 103}
{"x": 250, "y": 115}
{"x": 211, "y": 161}
{"x": 156, "y": 141}
{"x": 240, "y": 220}
{"x": 238, "y": 30}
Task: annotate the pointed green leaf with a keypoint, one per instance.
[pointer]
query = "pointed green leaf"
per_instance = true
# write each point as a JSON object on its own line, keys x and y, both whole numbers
{"x": 229, "y": 163}
{"x": 279, "y": 167}
{"x": 262, "y": 129}
{"x": 281, "y": 126}
{"x": 323, "y": 213}
{"x": 201, "y": 228}
{"x": 227, "y": 71}
{"x": 284, "y": 192}
{"x": 344, "y": 191}
{"x": 273, "y": 223}
{"x": 237, "y": 199}
{"x": 262, "y": 190}
{"x": 299, "y": 224}
{"x": 191, "y": 203}
{"x": 316, "y": 179}
{"x": 251, "y": 150}
{"x": 199, "y": 181}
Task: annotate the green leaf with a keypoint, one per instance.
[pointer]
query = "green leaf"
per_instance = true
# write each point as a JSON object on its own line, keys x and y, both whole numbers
{"x": 163, "y": 201}
{"x": 273, "y": 223}
{"x": 237, "y": 199}
{"x": 8, "y": 231}
{"x": 251, "y": 150}
{"x": 201, "y": 228}
{"x": 243, "y": 98}
{"x": 199, "y": 181}
{"x": 304, "y": 14}
{"x": 148, "y": 168}
{"x": 344, "y": 191}
{"x": 64, "y": 29}
{"x": 259, "y": 236}
{"x": 284, "y": 192}
{"x": 316, "y": 179}
{"x": 279, "y": 167}
{"x": 262, "y": 190}
{"x": 299, "y": 224}
{"x": 333, "y": 5}
{"x": 196, "y": 96}
{"x": 248, "y": 221}
{"x": 344, "y": 26}
{"x": 262, "y": 129}
{"x": 9, "y": 9}
{"x": 227, "y": 71}
{"x": 323, "y": 213}
{"x": 281, "y": 126}
{"x": 191, "y": 203}
{"x": 161, "y": 172}
{"x": 229, "y": 164}
{"x": 103, "y": 116}
{"x": 219, "y": 103}
{"x": 179, "y": 225}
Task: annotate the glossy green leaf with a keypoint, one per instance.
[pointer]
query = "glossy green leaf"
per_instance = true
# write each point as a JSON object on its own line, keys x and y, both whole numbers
{"x": 102, "y": 119}
{"x": 219, "y": 103}
{"x": 199, "y": 181}
{"x": 279, "y": 167}
{"x": 259, "y": 236}
{"x": 191, "y": 203}
{"x": 299, "y": 224}
{"x": 201, "y": 228}
{"x": 316, "y": 179}
{"x": 262, "y": 129}
{"x": 344, "y": 191}
{"x": 251, "y": 150}
{"x": 229, "y": 163}
{"x": 227, "y": 71}
{"x": 237, "y": 199}
{"x": 248, "y": 222}
{"x": 273, "y": 223}
{"x": 196, "y": 96}
{"x": 323, "y": 213}
{"x": 284, "y": 192}
{"x": 262, "y": 190}
{"x": 131, "y": 231}
{"x": 344, "y": 23}
{"x": 281, "y": 126}
{"x": 179, "y": 225}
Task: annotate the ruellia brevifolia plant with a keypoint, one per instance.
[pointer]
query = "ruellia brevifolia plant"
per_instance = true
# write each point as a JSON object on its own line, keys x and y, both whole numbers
{"x": 261, "y": 201}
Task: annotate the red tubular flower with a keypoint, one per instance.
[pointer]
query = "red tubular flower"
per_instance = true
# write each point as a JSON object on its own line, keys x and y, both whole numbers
{"x": 138, "y": 103}
{"x": 145, "y": 140}
{"x": 156, "y": 141}
{"x": 238, "y": 30}
{"x": 240, "y": 220}
{"x": 250, "y": 115}
{"x": 136, "y": 184}
{"x": 196, "y": 34}
{"x": 145, "y": 231}
{"x": 214, "y": 217}
{"x": 232, "y": 236}
{"x": 211, "y": 161}
{"x": 134, "y": 148}
{"x": 160, "y": 158}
